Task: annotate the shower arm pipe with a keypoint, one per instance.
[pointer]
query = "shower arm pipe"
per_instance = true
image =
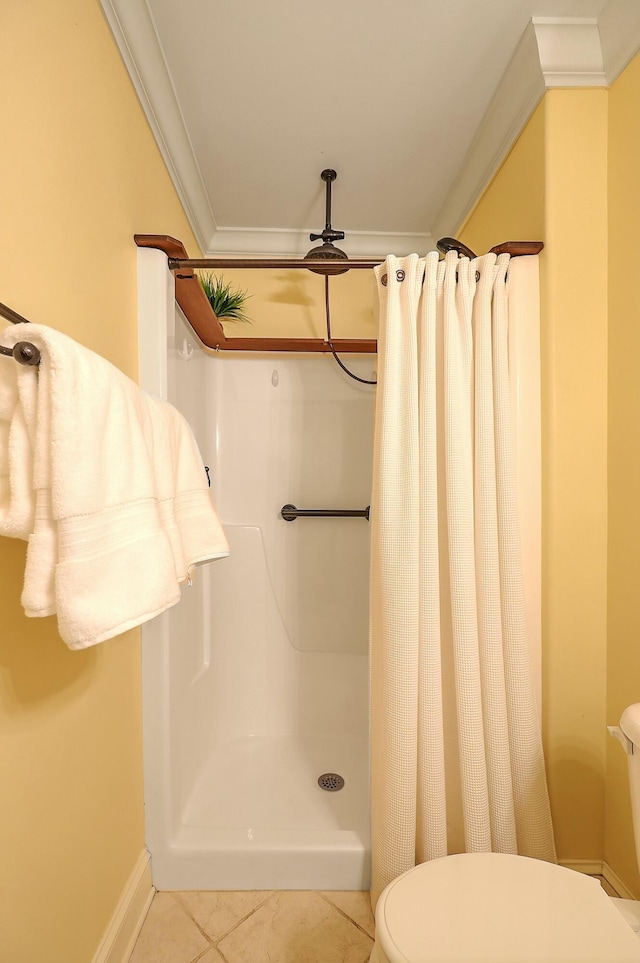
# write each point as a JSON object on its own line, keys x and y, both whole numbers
{"x": 196, "y": 308}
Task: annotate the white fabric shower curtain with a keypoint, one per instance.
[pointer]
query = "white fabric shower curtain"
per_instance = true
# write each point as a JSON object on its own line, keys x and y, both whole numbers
{"x": 457, "y": 763}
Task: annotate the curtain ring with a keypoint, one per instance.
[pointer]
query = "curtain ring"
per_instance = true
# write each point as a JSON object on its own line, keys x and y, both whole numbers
{"x": 400, "y": 276}
{"x": 477, "y": 276}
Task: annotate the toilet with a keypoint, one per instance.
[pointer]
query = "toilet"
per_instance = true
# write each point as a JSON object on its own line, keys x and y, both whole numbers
{"x": 499, "y": 908}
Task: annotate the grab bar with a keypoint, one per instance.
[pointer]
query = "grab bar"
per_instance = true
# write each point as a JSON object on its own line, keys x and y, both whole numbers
{"x": 290, "y": 513}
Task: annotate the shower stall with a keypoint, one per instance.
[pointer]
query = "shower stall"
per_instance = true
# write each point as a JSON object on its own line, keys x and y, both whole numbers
{"x": 256, "y": 684}
{"x": 255, "y": 687}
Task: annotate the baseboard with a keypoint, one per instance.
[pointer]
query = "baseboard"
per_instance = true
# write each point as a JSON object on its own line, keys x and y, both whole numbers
{"x": 116, "y": 946}
{"x": 615, "y": 882}
{"x": 592, "y": 867}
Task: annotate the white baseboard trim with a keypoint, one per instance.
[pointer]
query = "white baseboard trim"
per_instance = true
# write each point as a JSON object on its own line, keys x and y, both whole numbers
{"x": 116, "y": 946}
{"x": 592, "y": 867}
{"x": 615, "y": 882}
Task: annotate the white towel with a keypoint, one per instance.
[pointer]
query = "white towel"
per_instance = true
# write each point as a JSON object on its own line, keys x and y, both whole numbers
{"x": 107, "y": 484}
{"x": 17, "y": 505}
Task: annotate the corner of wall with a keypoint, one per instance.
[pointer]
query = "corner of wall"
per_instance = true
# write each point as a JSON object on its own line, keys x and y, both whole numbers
{"x": 623, "y": 651}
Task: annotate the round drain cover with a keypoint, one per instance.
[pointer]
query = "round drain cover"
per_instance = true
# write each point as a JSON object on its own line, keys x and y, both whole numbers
{"x": 330, "y": 781}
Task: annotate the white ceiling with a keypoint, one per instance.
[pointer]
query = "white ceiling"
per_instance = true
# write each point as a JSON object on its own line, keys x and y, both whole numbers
{"x": 250, "y": 100}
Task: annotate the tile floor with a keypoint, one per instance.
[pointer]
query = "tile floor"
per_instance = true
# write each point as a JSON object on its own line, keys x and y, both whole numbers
{"x": 260, "y": 927}
{"x": 256, "y": 927}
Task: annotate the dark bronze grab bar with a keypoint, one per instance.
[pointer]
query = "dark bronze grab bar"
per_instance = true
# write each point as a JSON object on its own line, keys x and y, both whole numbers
{"x": 23, "y": 351}
{"x": 290, "y": 513}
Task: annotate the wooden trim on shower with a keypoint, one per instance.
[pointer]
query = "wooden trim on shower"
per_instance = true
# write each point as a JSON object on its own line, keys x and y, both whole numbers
{"x": 190, "y": 294}
{"x": 195, "y": 306}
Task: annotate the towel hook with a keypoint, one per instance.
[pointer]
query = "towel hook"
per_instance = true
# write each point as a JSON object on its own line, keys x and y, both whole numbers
{"x": 23, "y": 351}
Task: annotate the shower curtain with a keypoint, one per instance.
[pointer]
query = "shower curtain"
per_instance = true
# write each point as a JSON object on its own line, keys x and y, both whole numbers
{"x": 457, "y": 763}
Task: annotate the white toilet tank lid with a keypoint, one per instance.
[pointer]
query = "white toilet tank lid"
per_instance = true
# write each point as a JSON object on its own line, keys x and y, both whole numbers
{"x": 497, "y": 908}
{"x": 630, "y": 723}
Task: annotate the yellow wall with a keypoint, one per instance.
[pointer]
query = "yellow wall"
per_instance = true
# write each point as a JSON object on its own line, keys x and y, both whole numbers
{"x": 79, "y": 174}
{"x": 290, "y": 304}
{"x": 506, "y": 211}
{"x": 574, "y": 412}
{"x": 623, "y": 677}
{"x": 552, "y": 187}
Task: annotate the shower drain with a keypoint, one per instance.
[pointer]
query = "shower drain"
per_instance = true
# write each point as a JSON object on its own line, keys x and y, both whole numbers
{"x": 330, "y": 781}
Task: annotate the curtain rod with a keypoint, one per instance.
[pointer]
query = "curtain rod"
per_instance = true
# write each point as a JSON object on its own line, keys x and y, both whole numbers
{"x": 310, "y": 264}
{"x": 445, "y": 244}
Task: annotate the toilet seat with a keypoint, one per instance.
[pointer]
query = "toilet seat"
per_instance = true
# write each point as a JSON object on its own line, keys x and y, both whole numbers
{"x": 498, "y": 908}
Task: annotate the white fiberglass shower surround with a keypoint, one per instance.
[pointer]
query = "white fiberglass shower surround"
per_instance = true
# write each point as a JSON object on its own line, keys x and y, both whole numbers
{"x": 256, "y": 683}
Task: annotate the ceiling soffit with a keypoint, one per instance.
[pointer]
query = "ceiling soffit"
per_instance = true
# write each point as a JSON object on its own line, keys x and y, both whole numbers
{"x": 553, "y": 52}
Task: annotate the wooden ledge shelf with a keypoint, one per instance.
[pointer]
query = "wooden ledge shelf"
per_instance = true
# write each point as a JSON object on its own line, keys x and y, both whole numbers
{"x": 195, "y": 306}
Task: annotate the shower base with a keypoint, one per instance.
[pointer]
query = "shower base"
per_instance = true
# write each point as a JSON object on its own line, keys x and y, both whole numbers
{"x": 257, "y": 818}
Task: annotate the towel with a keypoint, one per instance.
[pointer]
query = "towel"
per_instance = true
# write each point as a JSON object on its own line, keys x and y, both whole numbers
{"x": 17, "y": 505}
{"x": 107, "y": 485}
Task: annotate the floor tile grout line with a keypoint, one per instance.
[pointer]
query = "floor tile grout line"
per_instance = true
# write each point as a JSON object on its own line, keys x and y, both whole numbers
{"x": 203, "y": 954}
{"x": 213, "y": 941}
{"x": 208, "y": 950}
{"x": 346, "y": 915}
{"x": 184, "y": 909}
{"x": 221, "y": 955}
{"x": 244, "y": 918}
{"x": 319, "y": 893}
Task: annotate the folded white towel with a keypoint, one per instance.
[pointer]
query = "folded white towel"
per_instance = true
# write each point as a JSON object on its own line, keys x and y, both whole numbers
{"x": 107, "y": 484}
{"x": 17, "y": 504}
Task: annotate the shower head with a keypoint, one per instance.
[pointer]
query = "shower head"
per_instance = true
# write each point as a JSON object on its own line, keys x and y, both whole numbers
{"x": 328, "y": 249}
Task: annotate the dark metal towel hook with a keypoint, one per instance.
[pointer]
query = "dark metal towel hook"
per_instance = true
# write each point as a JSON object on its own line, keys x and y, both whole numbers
{"x": 23, "y": 351}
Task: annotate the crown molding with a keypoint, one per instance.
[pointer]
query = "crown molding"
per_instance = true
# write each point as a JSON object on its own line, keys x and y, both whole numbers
{"x": 569, "y": 52}
{"x": 619, "y": 26}
{"x": 518, "y": 94}
{"x": 135, "y": 36}
{"x": 241, "y": 240}
{"x": 554, "y": 52}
